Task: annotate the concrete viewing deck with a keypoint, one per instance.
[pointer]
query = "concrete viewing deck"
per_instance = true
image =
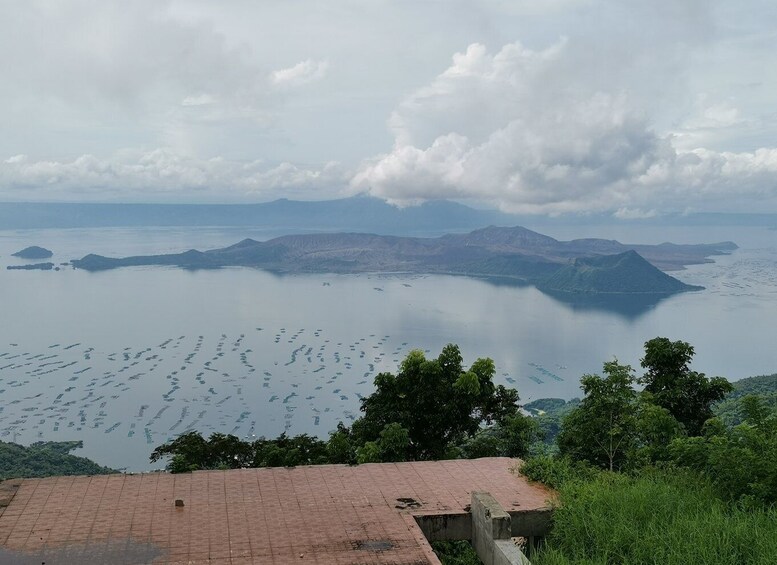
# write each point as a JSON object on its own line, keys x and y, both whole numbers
{"x": 380, "y": 513}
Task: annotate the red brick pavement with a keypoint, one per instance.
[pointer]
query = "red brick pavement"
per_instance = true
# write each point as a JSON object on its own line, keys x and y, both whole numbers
{"x": 326, "y": 514}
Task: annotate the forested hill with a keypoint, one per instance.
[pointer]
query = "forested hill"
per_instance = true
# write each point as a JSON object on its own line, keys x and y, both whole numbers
{"x": 45, "y": 459}
{"x": 730, "y": 409}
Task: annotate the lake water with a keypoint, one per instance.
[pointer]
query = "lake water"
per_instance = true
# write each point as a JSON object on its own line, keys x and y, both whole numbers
{"x": 126, "y": 359}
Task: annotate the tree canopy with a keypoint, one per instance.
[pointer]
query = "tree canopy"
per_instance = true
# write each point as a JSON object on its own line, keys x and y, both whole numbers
{"x": 436, "y": 401}
{"x": 686, "y": 394}
{"x": 429, "y": 409}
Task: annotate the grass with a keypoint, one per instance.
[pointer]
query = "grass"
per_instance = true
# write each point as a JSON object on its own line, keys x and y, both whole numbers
{"x": 657, "y": 517}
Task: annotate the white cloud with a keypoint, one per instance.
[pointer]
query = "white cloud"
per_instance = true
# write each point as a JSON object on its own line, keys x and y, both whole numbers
{"x": 164, "y": 175}
{"x": 198, "y": 100}
{"x": 630, "y": 111}
{"x": 634, "y": 214}
{"x": 301, "y": 73}
{"x": 528, "y": 132}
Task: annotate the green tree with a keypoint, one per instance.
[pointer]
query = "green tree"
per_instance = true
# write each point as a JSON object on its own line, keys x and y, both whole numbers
{"x": 436, "y": 401}
{"x": 740, "y": 461}
{"x": 340, "y": 448}
{"x": 192, "y": 452}
{"x": 603, "y": 427}
{"x": 656, "y": 428}
{"x": 189, "y": 452}
{"x": 288, "y": 451}
{"x": 686, "y": 394}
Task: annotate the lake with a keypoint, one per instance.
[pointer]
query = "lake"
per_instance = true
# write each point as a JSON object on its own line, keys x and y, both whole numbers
{"x": 126, "y": 359}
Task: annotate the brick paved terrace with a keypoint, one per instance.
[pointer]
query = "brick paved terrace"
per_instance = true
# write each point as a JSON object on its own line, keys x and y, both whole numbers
{"x": 380, "y": 513}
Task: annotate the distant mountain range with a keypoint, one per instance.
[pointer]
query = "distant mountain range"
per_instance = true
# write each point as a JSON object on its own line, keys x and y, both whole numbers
{"x": 511, "y": 253}
{"x": 356, "y": 214}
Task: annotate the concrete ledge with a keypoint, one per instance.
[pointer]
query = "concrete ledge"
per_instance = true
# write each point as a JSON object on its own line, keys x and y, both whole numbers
{"x": 507, "y": 553}
{"x": 531, "y": 523}
{"x": 445, "y": 527}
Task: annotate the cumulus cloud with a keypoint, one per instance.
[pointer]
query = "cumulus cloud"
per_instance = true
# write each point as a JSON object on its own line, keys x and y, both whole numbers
{"x": 525, "y": 130}
{"x": 163, "y": 175}
{"x": 301, "y": 73}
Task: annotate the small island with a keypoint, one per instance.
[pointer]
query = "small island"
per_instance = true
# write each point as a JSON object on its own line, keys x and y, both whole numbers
{"x": 33, "y": 267}
{"x": 33, "y": 252}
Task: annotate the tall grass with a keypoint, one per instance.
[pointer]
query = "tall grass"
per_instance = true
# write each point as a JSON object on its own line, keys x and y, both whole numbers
{"x": 657, "y": 517}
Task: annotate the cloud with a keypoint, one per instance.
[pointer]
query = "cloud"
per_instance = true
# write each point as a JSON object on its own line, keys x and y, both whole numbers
{"x": 199, "y": 100}
{"x": 164, "y": 175}
{"x": 529, "y": 131}
{"x": 301, "y": 73}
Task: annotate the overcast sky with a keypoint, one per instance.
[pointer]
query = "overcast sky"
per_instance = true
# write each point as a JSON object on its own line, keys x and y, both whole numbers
{"x": 633, "y": 108}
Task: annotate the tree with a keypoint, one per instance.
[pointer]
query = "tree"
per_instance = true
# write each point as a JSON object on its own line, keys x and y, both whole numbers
{"x": 436, "y": 401}
{"x": 511, "y": 438}
{"x": 339, "y": 448}
{"x": 741, "y": 461}
{"x": 602, "y": 429}
{"x": 687, "y": 395}
{"x": 425, "y": 411}
{"x": 391, "y": 447}
{"x": 191, "y": 452}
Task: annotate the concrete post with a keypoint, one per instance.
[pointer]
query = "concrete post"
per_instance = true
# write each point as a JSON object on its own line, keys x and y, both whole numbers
{"x": 492, "y": 532}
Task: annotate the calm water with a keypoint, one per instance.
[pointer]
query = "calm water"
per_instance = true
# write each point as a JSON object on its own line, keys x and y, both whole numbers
{"x": 126, "y": 359}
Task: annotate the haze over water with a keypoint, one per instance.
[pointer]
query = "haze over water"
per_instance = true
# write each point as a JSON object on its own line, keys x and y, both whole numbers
{"x": 126, "y": 359}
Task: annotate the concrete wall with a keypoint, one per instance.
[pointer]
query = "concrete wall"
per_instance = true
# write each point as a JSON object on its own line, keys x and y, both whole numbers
{"x": 489, "y": 528}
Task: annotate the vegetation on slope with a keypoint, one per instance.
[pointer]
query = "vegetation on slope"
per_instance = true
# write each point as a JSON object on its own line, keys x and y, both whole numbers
{"x": 655, "y": 517}
{"x": 45, "y": 459}
{"x": 654, "y": 476}
{"x": 730, "y": 409}
{"x": 624, "y": 273}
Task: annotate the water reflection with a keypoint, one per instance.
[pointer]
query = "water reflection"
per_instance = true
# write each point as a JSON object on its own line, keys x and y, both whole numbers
{"x": 628, "y": 306}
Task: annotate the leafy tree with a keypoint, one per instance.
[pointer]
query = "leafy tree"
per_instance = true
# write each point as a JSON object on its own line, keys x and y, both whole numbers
{"x": 391, "y": 446}
{"x": 686, "y": 394}
{"x": 603, "y": 428}
{"x": 511, "y": 438}
{"x": 289, "y": 451}
{"x": 368, "y": 453}
{"x": 340, "y": 448}
{"x": 436, "y": 401}
{"x": 394, "y": 443}
{"x": 191, "y": 452}
{"x": 655, "y": 429}
{"x": 740, "y": 461}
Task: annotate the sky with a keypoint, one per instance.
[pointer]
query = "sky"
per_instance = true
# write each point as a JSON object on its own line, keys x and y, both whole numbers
{"x": 552, "y": 107}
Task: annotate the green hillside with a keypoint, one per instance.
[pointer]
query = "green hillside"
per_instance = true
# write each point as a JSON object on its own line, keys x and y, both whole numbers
{"x": 45, "y": 459}
{"x": 624, "y": 273}
{"x": 764, "y": 386}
